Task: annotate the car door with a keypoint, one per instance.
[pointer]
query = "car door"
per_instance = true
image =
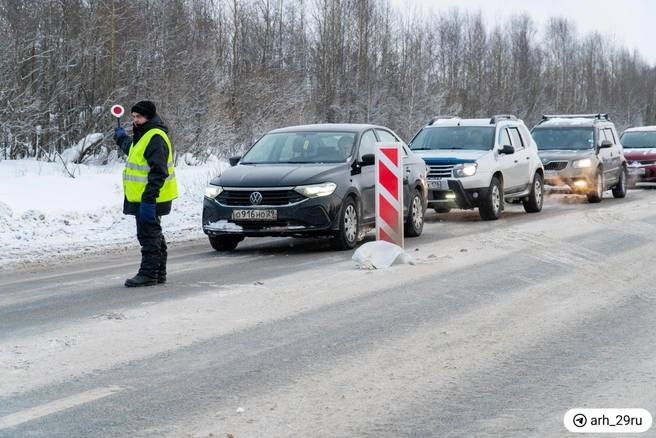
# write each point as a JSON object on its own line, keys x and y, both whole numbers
{"x": 366, "y": 178}
{"x": 615, "y": 156}
{"x": 506, "y": 162}
{"x": 606, "y": 157}
{"x": 521, "y": 159}
{"x": 386, "y": 136}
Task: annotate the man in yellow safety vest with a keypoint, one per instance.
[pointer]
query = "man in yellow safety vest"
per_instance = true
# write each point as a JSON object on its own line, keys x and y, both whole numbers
{"x": 150, "y": 187}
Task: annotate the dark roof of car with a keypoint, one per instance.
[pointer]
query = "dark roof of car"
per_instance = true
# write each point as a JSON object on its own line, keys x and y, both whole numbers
{"x": 348, "y": 127}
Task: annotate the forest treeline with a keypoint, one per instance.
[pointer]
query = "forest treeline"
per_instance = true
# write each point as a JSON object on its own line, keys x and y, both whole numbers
{"x": 222, "y": 72}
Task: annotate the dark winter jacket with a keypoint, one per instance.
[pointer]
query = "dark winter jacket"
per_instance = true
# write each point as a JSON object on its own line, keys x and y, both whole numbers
{"x": 156, "y": 155}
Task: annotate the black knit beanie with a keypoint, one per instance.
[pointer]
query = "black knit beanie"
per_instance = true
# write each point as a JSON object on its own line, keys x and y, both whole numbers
{"x": 146, "y": 108}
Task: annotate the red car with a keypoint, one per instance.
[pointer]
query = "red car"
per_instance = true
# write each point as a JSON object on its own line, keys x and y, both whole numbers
{"x": 640, "y": 152}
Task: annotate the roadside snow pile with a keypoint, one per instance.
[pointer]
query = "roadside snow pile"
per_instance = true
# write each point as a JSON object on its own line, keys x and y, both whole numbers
{"x": 46, "y": 213}
{"x": 72, "y": 154}
{"x": 5, "y": 214}
{"x": 380, "y": 254}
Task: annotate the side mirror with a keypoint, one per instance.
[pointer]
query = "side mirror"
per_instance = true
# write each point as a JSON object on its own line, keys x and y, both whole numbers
{"x": 507, "y": 150}
{"x": 605, "y": 144}
{"x": 234, "y": 160}
{"x": 368, "y": 160}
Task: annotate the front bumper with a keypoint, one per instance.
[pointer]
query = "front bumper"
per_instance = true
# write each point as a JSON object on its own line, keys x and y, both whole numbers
{"x": 455, "y": 195}
{"x": 642, "y": 173}
{"x": 309, "y": 217}
{"x": 571, "y": 180}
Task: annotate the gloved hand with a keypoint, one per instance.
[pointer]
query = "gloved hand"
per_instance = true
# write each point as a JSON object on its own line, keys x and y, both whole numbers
{"x": 147, "y": 212}
{"x": 119, "y": 133}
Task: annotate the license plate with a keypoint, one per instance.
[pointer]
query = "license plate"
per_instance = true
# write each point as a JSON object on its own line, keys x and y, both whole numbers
{"x": 438, "y": 184}
{"x": 254, "y": 215}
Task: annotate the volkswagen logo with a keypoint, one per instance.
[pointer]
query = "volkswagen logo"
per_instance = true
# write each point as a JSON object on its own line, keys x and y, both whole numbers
{"x": 256, "y": 198}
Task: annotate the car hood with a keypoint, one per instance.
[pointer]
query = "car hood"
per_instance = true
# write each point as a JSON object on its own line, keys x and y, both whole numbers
{"x": 564, "y": 155}
{"x": 640, "y": 154}
{"x": 278, "y": 175}
{"x": 451, "y": 155}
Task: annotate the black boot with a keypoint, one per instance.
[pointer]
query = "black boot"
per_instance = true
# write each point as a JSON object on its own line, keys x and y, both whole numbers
{"x": 161, "y": 273}
{"x": 140, "y": 280}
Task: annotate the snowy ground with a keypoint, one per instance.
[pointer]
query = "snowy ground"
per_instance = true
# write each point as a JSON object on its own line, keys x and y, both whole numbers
{"x": 45, "y": 213}
{"x": 497, "y": 330}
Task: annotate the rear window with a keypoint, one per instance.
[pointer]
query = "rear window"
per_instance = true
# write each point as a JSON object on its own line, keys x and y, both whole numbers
{"x": 564, "y": 138}
{"x": 639, "y": 139}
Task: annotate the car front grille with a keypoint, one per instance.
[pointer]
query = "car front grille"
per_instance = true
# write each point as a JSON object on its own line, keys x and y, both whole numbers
{"x": 555, "y": 165}
{"x": 269, "y": 197}
{"x": 440, "y": 170}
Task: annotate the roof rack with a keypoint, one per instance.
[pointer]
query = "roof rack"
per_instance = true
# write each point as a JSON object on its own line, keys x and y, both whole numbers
{"x": 598, "y": 116}
{"x": 436, "y": 118}
{"x": 495, "y": 119}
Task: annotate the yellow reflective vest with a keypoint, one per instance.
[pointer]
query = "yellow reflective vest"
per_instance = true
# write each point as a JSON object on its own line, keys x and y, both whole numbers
{"x": 135, "y": 174}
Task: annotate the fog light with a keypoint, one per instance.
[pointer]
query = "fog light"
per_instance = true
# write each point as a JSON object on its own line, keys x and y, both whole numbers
{"x": 580, "y": 184}
{"x": 450, "y": 196}
{"x": 475, "y": 195}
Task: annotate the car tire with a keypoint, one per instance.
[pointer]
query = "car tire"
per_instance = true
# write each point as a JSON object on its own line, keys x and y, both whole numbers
{"x": 225, "y": 242}
{"x": 533, "y": 204}
{"x": 491, "y": 206}
{"x": 442, "y": 209}
{"x": 619, "y": 191}
{"x": 414, "y": 222}
{"x": 349, "y": 225}
{"x": 597, "y": 195}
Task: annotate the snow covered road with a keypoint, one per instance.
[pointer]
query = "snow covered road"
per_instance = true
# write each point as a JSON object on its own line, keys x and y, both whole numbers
{"x": 498, "y": 330}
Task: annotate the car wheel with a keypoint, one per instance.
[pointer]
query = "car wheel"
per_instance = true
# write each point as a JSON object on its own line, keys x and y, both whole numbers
{"x": 414, "y": 223}
{"x": 536, "y": 198}
{"x": 442, "y": 209}
{"x": 596, "y": 196}
{"x": 619, "y": 191}
{"x": 225, "y": 242}
{"x": 347, "y": 236}
{"x": 490, "y": 207}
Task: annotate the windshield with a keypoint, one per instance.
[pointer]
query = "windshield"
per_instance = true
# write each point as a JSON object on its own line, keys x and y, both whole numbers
{"x": 454, "y": 137}
{"x": 301, "y": 147}
{"x": 563, "y": 138}
{"x": 639, "y": 139}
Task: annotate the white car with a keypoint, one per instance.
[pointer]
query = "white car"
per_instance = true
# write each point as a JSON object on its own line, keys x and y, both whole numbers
{"x": 480, "y": 163}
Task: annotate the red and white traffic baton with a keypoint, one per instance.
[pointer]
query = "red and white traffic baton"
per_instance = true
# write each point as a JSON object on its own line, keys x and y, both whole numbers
{"x": 117, "y": 111}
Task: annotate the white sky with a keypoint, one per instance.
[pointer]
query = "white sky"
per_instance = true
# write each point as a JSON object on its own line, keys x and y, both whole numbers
{"x": 631, "y": 23}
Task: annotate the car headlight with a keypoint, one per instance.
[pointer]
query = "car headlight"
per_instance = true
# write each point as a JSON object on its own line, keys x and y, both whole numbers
{"x": 462, "y": 170}
{"x": 316, "y": 190}
{"x": 586, "y": 162}
{"x": 213, "y": 191}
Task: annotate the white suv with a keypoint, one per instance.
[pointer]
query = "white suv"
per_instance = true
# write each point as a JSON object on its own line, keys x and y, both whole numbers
{"x": 480, "y": 163}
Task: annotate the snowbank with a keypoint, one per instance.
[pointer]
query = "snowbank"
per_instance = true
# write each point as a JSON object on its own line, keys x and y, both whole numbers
{"x": 45, "y": 213}
{"x": 72, "y": 154}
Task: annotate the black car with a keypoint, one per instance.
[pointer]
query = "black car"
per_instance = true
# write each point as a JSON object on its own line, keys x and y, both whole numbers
{"x": 314, "y": 180}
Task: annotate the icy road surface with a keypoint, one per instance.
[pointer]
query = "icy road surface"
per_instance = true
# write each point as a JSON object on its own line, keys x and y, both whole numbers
{"x": 498, "y": 330}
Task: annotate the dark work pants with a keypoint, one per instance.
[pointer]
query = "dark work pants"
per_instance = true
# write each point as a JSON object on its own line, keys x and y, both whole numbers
{"x": 153, "y": 248}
